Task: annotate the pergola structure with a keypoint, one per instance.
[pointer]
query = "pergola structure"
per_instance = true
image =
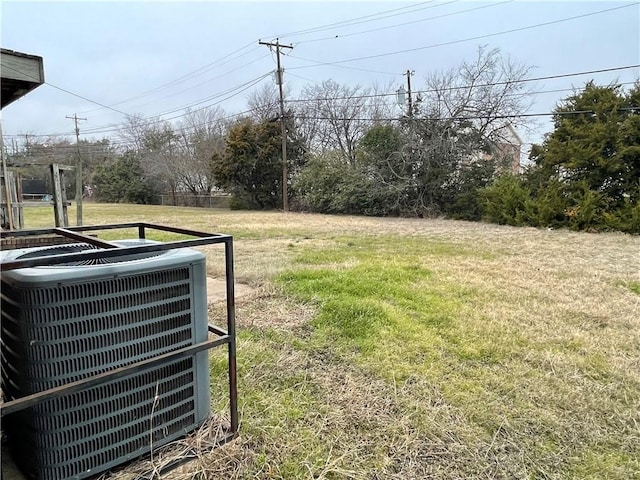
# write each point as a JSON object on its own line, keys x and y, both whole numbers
{"x": 20, "y": 74}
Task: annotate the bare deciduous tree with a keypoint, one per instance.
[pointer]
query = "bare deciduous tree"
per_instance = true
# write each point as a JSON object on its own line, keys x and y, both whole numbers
{"x": 334, "y": 117}
{"x": 200, "y": 134}
{"x": 264, "y": 103}
{"x": 488, "y": 91}
{"x": 463, "y": 114}
{"x": 132, "y": 133}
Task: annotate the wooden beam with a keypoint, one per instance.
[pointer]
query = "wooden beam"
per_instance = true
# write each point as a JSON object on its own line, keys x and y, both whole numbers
{"x": 57, "y": 196}
{"x": 21, "y": 67}
{"x": 7, "y": 178}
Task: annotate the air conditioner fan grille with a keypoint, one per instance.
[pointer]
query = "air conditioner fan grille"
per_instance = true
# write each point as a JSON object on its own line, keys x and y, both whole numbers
{"x": 83, "y": 247}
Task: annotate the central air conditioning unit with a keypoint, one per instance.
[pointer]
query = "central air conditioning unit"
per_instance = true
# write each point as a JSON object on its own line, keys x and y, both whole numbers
{"x": 68, "y": 322}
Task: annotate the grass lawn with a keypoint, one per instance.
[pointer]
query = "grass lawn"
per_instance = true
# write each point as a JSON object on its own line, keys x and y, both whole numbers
{"x": 377, "y": 348}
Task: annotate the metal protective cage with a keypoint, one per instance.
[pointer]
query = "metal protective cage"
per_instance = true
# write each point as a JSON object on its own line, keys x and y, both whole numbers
{"x": 105, "y": 251}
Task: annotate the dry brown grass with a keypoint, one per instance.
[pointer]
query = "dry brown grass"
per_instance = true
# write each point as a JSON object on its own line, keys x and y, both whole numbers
{"x": 536, "y": 375}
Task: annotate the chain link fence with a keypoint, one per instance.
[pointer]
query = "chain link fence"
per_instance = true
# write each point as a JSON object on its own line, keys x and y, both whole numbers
{"x": 204, "y": 201}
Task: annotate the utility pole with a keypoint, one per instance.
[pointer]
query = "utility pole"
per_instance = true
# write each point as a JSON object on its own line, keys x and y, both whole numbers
{"x": 79, "y": 187}
{"x": 409, "y": 74}
{"x": 283, "y": 128}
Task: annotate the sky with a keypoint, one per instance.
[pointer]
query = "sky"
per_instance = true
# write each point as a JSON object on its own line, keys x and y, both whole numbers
{"x": 158, "y": 57}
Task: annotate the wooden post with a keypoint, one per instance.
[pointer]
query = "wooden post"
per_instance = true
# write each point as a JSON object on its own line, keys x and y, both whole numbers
{"x": 20, "y": 200}
{"x": 65, "y": 203}
{"x": 58, "y": 200}
{"x": 7, "y": 193}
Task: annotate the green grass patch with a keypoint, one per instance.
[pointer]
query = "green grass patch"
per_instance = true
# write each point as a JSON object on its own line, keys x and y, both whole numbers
{"x": 410, "y": 251}
{"x": 594, "y": 465}
{"x": 382, "y": 308}
{"x": 377, "y": 296}
{"x": 279, "y": 403}
{"x": 634, "y": 287}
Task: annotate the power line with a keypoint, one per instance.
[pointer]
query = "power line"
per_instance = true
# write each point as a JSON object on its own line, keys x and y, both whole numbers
{"x": 119, "y": 111}
{"x": 115, "y": 128}
{"x": 215, "y": 78}
{"x": 333, "y": 37}
{"x": 246, "y": 86}
{"x": 186, "y": 76}
{"x": 97, "y": 130}
{"x": 159, "y": 120}
{"x": 70, "y": 146}
{"x": 357, "y": 20}
{"x": 318, "y": 63}
{"x": 469, "y": 117}
{"x": 303, "y": 78}
{"x": 113, "y": 143}
{"x": 395, "y": 119}
{"x": 65, "y": 90}
{"x": 479, "y": 37}
{"x": 202, "y": 83}
{"x": 216, "y": 95}
{"x": 463, "y": 87}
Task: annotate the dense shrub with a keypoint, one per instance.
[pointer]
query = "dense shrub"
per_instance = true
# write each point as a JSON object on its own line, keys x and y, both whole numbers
{"x": 122, "y": 180}
{"x": 506, "y": 201}
{"x": 329, "y": 185}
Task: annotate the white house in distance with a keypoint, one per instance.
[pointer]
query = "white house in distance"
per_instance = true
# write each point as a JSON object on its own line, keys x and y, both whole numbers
{"x": 506, "y": 146}
{"x": 509, "y": 147}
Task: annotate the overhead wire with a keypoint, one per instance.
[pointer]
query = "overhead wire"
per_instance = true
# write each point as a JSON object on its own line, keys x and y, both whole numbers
{"x": 463, "y": 87}
{"x": 115, "y": 128}
{"x": 357, "y": 20}
{"x": 205, "y": 81}
{"x": 72, "y": 148}
{"x": 333, "y": 37}
{"x": 250, "y": 83}
{"x": 303, "y": 78}
{"x": 312, "y": 117}
{"x": 346, "y": 23}
{"x": 247, "y": 85}
{"x": 159, "y": 120}
{"x": 465, "y": 117}
{"x": 243, "y": 87}
{"x": 319, "y": 63}
{"x": 64, "y": 90}
{"x": 520, "y": 94}
{"x": 155, "y": 118}
{"x": 478, "y": 37}
{"x": 186, "y": 76}
{"x": 112, "y": 142}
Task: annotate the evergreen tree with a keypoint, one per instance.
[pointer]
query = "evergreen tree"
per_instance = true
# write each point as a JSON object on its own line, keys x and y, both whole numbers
{"x": 596, "y": 142}
{"x": 594, "y": 154}
{"x": 250, "y": 166}
{"x": 122, "y": 180}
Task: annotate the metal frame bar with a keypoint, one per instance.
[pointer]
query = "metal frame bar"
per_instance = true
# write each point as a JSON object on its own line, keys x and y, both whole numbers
{"x": 71, "y": 232}
{"x": 227, "y": 337}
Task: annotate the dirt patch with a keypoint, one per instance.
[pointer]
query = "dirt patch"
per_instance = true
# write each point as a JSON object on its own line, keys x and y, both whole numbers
{"x": 217, "y": 290}
{"x": 264, "y": 307}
